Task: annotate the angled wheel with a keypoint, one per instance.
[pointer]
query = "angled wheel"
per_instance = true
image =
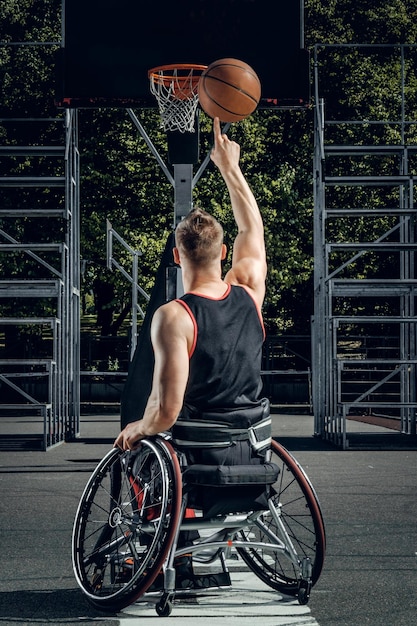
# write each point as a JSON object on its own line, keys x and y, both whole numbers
{"x": 300, "y": 522}
{"x": 125, "y": 523}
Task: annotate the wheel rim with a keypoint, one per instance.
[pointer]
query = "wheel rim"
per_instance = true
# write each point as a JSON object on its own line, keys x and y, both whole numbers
{"x": 124, "y": 524}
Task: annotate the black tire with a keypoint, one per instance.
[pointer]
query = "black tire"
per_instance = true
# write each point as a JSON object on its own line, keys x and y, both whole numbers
{"x": 125, "y": 523}
{"x": 164, "y": 606}
{"x": 301, "y": 515}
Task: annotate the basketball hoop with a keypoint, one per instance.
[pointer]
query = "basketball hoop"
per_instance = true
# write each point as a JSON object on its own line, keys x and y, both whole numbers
{"x": 175, "y": 89}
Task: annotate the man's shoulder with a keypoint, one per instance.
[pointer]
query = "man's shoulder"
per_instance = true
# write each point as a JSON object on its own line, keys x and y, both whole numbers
{"x": 171, "y": 323}
{"x": 169, "y": 311}
{"x": 172, "y": 317}
{"x": 251, "y": 275}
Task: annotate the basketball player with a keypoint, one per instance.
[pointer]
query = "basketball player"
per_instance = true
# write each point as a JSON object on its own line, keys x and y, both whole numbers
{"x": 207, "y": 345}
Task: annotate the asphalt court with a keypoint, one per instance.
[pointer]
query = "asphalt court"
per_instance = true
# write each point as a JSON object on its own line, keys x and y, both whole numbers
{"x": 369, "y": 507}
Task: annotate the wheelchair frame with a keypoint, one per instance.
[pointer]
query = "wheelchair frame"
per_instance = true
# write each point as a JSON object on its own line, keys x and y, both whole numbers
{"x": 133, "y": 508}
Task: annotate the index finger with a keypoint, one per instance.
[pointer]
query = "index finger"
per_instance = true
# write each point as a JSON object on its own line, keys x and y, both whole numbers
{"x": 216, "y": 129}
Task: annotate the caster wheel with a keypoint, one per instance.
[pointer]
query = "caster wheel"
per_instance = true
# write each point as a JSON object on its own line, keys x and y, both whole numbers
{"x": 164, "y": 607}
{"x": 304, "y": 593}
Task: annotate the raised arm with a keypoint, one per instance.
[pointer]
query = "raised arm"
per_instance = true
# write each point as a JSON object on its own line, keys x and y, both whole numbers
{"x": 249, "y": 258}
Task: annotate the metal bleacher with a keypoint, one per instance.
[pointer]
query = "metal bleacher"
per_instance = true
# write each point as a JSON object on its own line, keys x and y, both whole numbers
{"x": 39, "y": 286}
{"x": 364, "y": 329}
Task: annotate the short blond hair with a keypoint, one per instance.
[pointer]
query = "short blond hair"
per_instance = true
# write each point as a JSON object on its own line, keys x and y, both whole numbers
{"x": 199, "y": 236}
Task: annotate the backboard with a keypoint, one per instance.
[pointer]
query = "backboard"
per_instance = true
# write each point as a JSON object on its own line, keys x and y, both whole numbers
{"x": 109, "y": 46}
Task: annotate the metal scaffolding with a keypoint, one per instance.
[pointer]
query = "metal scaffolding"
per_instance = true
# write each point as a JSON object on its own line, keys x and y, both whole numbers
{"x": 40, "y": 284}
{"x": 364, "y": 328}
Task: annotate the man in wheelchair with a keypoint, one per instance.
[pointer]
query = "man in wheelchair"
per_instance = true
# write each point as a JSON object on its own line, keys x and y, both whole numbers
{"x": 208, "y": 345}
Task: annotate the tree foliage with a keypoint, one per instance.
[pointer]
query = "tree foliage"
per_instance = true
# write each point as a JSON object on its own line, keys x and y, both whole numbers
{"x": 121, "y": 180}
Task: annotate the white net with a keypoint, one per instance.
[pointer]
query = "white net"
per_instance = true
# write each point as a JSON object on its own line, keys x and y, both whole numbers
{"x": 176, "y": 91}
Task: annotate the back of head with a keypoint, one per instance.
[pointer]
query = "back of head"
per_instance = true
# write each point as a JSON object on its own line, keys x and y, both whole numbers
{"x": 199, "y": 237}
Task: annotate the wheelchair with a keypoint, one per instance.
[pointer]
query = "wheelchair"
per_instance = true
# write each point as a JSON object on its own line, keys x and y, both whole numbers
{"x": 134, "y": 508}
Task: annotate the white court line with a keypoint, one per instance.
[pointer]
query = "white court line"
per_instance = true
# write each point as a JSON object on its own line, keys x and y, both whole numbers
{"x": 219, "y": 620}
{"x": 249, "y": 599}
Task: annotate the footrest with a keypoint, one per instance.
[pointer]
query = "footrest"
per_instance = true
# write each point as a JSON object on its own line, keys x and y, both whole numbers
{"x": 204, "y": 581}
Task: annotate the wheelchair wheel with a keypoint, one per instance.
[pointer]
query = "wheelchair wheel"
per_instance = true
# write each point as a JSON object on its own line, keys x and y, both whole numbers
{"x": 300, "y": 513}
{"x": 125, "y": 523}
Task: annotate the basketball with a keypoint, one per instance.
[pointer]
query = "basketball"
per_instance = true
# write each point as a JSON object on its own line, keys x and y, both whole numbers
{"x": 229, "y": 89}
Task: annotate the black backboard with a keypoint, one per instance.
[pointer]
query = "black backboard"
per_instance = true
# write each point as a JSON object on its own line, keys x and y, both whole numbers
{"x": 109, "y": 46}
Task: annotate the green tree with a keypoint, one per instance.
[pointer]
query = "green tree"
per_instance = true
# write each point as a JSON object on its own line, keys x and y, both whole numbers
{"x": 121, "y": 181}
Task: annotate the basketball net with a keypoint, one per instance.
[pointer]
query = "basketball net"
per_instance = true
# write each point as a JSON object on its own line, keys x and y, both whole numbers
{"x": 175, "y": 88}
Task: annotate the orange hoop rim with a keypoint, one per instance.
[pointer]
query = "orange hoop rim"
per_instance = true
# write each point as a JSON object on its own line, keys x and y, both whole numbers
{"x": 165, "y": 74}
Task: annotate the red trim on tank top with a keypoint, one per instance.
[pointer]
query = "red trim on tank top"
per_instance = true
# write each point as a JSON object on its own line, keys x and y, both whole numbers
{"x": 194, "y": 321}
{"x": 203, "y": 295}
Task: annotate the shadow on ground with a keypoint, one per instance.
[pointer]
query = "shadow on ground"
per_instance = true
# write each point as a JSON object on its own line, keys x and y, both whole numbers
{"x": 43, "y": 607}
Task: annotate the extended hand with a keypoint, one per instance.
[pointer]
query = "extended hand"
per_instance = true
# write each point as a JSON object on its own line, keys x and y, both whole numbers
{"x": 225, "y": 153}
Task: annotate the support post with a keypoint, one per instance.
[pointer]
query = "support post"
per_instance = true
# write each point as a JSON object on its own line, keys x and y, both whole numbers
{"x": 183, "y": 186}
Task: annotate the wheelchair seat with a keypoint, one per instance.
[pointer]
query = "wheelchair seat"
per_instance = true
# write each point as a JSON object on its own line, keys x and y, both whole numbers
{"x": 225, "y": 489}
{"x": 225, "y": 450}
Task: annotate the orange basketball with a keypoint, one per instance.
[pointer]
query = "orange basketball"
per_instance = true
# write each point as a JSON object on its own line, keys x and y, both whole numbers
{"x": 229, "y": 89}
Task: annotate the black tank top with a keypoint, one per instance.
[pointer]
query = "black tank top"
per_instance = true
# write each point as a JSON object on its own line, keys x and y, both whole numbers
{"x": 225, "y": 360}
